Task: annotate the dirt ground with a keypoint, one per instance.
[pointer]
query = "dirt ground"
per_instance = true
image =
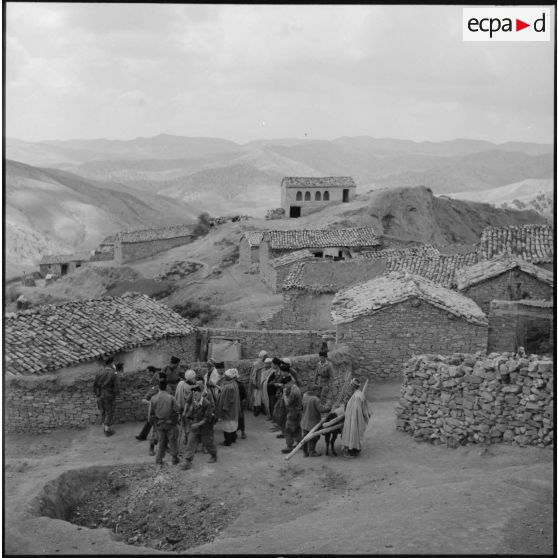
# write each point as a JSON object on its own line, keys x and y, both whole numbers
{"x": 397, "y": 497}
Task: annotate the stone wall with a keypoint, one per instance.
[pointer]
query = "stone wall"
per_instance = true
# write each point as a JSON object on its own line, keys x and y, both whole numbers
{"x": 129, "y": 251}
{"x": 504, "y": 287}
{"x": 247, "y": 255}
{"x": 514, "y": 324}
{"x": 382, "y": 342}
{"x": 276, "y": 342}
{"x": 307, "y": 309}
{"x": 463, "y": 399}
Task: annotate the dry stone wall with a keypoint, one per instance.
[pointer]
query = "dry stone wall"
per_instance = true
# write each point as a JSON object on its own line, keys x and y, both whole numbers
{"x": 305, "y": 309}
{"x": 129, "y": 251}
{"x": 382, "y": 342}
{"x": 464, "y": 398}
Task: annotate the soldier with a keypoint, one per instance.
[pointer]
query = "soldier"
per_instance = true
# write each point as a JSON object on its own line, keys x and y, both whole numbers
{"x": 106, "y": 389}
{"x": 172, "y": 373}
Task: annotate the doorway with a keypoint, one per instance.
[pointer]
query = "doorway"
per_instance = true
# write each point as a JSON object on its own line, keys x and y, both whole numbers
{"x": 63, "y": 269}
{"x": 345, "y": 195}
{"x": 294, "y": 211}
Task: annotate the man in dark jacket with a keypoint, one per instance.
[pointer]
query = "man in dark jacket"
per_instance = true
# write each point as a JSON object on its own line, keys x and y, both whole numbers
{"x": 153, "y": 389}
{"x": 199, "y": 414}
{"x": 106, "y": 389}
{"x": 171, "y": 371}
{"x": 163, "y": 414}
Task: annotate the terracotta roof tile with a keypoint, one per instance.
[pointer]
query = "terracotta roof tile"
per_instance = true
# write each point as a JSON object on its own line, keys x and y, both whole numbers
{"x": 441, "y": 269}
{"x": 423, "y": 251}
{"x": 318, "y": 182}
{"x": 534, "y": 243}
{"x": 253, "y": 238}
{"x": 384, "y": 291}
{"x": 487, "y": 269}
{"x": 51, "y": 337}
{"x": 321, "y": 238}
{"x": 63, "y": 258}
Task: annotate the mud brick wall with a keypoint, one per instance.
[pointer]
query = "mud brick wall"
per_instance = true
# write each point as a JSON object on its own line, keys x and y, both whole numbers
{"x": 509, "y": 321}
{"x": 128, "y": 251}
{"x": 275, "y": 342}
{"x": 462, "y": 399}
{"x": 382, "y": 342}
{"x": 498, "y": 288}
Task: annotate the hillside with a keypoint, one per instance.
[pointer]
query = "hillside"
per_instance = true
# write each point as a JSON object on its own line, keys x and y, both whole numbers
{"x": 49, "y": 210}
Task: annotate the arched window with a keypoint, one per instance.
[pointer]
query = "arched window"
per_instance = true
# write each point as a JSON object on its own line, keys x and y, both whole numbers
{"x": 299, "y": 196}
{"x": 318, "y": 196}
{"x": 307, "y": 196}
{"x": 326, "y": 196}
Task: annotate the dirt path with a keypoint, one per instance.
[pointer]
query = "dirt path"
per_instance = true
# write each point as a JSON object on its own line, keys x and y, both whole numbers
{"x": 397, "y": 497}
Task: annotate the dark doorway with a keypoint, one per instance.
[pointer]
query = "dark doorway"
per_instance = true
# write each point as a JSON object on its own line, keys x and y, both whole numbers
{"x": 63, "y": 269}
{"x": 345, "y": 195}
{"x": 294, "y": 211}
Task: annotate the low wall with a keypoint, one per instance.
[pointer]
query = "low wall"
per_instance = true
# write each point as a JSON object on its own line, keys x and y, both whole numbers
{"x": 275, "y": 342}
{"x": 465, "y": 398}
{"x": 129, "y": 251}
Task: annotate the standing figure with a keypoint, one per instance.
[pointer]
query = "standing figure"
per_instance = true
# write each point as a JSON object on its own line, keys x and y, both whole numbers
{"x": 311, "y": 415}
{"x": 271, "y": 387}
{"x": 267, "y": 371}
{"x": 356, "y": 421}
{"x": 243, "y": 399}
{"x": 106, "y": 389}
{"x": 163, "y": 414}
{"x": 199, "y": 413}
{"x": 153, "y": 389}
{"x": 211, "y": 381}
{"x": 324, "y": 376}
{"x": 172, "y": 373}
{"x": 255, "y": 384}
{"x": 183, "y": 395}
{"x": 228, "y": 406}
{"x": 293, "y": 406}
{"x": 280, "y": 411}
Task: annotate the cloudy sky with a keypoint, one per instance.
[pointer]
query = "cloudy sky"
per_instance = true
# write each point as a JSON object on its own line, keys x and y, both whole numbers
{"x": 120, "y": 71}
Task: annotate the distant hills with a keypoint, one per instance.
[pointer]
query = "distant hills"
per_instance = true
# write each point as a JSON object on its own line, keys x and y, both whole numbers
{"x": 66, "y": 195}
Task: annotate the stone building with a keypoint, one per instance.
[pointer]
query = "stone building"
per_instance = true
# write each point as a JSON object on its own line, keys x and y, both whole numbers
{"x": 279, "y": 268}
{"x": 323, "y": 243}
{"x": 249, "y": 248}
{"x": 61, "y": 264}
{"x": 301, "y": 195}
{"x": 311, "y": 285}
{"x": 387, "y": 319}
{"x": 139, "y": 244}
{"x": 74, "y": 336}
{"x": 105, "y": 250}
{"x": 533, "y": 243}
{"x": 505, "y": 278}
{"x": 442, "y": 269}
{"x": 521, "y": 323}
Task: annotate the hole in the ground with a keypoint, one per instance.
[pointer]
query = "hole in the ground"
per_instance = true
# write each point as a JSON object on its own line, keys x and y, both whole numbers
{"x": 141, "y": 504}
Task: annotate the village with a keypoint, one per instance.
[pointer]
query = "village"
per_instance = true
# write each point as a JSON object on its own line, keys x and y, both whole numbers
{"x": 460, "y": 337}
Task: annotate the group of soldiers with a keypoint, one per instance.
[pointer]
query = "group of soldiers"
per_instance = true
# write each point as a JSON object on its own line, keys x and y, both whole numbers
{"x": 183, "y": 409}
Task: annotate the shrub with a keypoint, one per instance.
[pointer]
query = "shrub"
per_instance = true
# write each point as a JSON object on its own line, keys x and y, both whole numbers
{"x": 199, "y": 313}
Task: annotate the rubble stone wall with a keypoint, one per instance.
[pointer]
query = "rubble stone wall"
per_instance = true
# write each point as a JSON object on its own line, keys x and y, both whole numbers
{"x": 129, "y": 251}
{"x": 499, "y": 287}
{"x": 464, "y": 398}
{"x": 382, "y": 342}
{"x": 302, "y": 309}
{"x": 247, "y": 255}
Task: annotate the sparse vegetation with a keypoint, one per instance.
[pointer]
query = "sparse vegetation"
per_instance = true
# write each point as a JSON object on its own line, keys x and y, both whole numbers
{"x": 203, "y": 225}
{"x": 199, "y": 313}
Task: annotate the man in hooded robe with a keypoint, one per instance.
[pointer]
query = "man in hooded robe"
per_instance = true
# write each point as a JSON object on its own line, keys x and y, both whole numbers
{"x": 255, "y": 384}
{"x": 356, "y": 421}
{"x": 228, "y": 406}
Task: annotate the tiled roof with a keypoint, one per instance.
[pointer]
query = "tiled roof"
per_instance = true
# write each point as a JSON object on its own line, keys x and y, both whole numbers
{"x": 253, "y": 238}
{"x": 487, "y": 269}
{"x": 321, "y": 238}
{"x": 291, "y": 257}
{"x": 424, "y": 250}
{"x": 534, "y": 243}
{"x": 145, "y": 235}
{"x": 441, "y": 269}
{"x": 318, "y": 182}
{"x": 330, "y": 276}
{"x": 384, "y": 291}
{"x": 63, "y": 258}
{"x": 52, "y": 337}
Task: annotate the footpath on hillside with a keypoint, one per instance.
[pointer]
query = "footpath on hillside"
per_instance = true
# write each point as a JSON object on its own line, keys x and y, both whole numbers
{"x": 398, "y": 496}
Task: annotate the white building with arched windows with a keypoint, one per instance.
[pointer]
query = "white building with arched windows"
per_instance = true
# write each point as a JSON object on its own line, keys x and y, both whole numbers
{"x": 301, "y": 195}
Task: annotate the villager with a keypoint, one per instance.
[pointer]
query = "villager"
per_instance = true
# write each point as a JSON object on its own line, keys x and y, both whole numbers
{"x": 142, "y": 436}
{"x": 163, "y": 414}
{"x": 293, "y": 405}
{"x": 211, "y": 381}
{"x": 106, "y": 389}
{"x": 267, "y": 371}
{"x": 324, "y": 376}
{"x": 200, "y": 415}
{"x": 255, "y": 384}
{"x": 356, "y": 421}
{"x": 311, "y": 415}
{"x": 157, "y": 375}
{"x": 280, "y": 411}
{"x": 183, "y": 396}
{"x": 271, "y": 389}
{"x": 228, "y": 406}
{"x": 171, "y": 372}
{"x": 243, "y": 399}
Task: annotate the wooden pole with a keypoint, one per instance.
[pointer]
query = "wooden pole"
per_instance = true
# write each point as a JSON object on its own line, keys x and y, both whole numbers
{"x": 305, "y": 439}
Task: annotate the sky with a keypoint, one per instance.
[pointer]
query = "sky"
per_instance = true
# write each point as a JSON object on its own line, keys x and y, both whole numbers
{"x": 243, "y": 72}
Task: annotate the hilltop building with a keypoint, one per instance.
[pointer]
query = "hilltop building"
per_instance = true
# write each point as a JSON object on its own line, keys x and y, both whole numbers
{"x": 61, "y": 264}
{"x": 301, "y": 195}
